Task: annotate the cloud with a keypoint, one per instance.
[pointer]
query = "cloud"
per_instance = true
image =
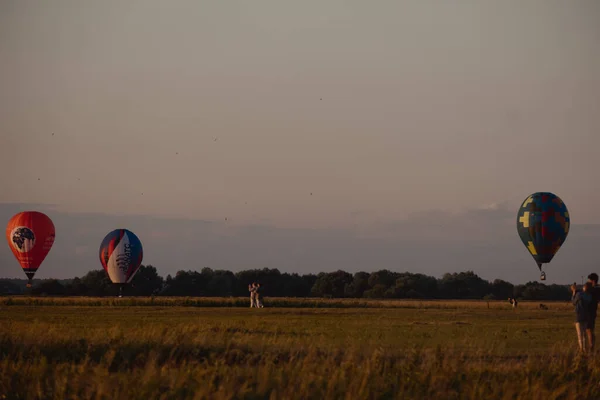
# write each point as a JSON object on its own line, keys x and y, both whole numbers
{"x": 494, "y": 206}
{"x": 471, "y": 225}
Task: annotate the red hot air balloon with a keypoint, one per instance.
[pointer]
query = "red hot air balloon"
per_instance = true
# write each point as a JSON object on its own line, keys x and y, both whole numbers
{"x": 30, "y": 236}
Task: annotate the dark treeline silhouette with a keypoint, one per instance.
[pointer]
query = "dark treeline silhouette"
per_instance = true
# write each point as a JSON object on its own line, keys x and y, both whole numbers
{"x": 382, "y": 284}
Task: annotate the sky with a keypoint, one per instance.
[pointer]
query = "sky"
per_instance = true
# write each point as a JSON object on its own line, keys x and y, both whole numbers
{"x": 307, "y": 136}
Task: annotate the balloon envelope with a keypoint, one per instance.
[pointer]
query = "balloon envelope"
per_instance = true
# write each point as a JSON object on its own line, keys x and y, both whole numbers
{"x": 30, "y": 236}
{"x": 543, "y": 225}
{"x": 121, "y": 255}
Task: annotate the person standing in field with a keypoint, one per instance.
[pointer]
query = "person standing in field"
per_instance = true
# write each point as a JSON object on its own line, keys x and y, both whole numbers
{"x": 252, "y": 290}
{"x": 259, "y": 298}
{"x": 582, "y": 301}
{"x": 593, "y": 309}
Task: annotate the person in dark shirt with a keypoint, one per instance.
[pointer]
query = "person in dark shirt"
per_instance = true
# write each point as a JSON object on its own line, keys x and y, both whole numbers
{"x": 582, "y": 301}
{"x": 595, "y": 292}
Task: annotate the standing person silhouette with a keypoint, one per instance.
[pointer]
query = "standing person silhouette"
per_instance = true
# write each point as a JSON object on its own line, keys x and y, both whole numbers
{"x": 252, "y": 290}
{"x": 582, "y": 300}
{"x": 593, "y": 309}
{"x": 259, "y": 298}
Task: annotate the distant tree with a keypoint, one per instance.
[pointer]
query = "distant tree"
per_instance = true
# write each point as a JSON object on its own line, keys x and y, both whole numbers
{"x": 9, "y": 287}
{"x": 186, "y": 283}
{"x": 76, "y": 288}
{"x": 50, "y": 287}
{"x": 331, "y": 284}
{"x": 97, "y": 283}
{"x": 409, "y": 285}
{"x": 208, "y": 282}
{"x": 309, "y": 280}
{"x": 383, "y": 277}
{"x": 293, "y": 285}
{"x": 358, "y": 286}
{"x": 167, "y": 286}
{"x": 269, "y": 279}
{"x": 559, "y": 292}
{"x": 376, "y": 292}
{"x": 518, "y": 291}
{"x": 535, "y": 291}
{"x": 222, "y": 283}
{"x": 502, "y": 289}
{"x": 463, "y": 285}
{"x": 146, "y": 282}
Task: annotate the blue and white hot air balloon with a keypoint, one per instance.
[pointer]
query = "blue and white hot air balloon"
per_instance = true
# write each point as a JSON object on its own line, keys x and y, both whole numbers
{"x": 121, "y": 255}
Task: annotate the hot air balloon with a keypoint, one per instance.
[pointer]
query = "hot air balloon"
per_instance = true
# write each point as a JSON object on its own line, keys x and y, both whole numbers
{"x": 30, "y": 236}
{"x": 543, "y": 225}
{"x": 121, "y": 256}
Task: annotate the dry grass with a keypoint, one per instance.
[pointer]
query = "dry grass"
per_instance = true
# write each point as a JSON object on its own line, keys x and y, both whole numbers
{"x": 410, "y": 350}
{"x": 279, "y": 302}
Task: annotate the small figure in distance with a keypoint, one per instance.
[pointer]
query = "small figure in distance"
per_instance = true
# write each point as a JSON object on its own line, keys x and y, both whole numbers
{"x": 259, "y": 298}
{"x": 595, "y": 294}
{"x": 543, "y": 307}
{"x": 252, "y": 290}
{"x": 582, "y": 300}
{"x": 513, "y": 302}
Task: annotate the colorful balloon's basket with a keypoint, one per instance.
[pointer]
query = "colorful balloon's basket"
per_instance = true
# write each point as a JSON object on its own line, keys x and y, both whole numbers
{"x": 543, "y": 276}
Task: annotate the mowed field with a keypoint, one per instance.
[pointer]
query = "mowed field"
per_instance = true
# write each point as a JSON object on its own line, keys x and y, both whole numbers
{"x": 302, "y": 349}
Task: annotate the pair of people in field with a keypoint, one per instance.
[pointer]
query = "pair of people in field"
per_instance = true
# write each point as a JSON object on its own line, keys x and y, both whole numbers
{"x": 586, "y": 308}
{"x": 256, "y": 299}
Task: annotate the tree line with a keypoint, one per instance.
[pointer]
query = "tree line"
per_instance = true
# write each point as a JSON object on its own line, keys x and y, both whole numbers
{"x": 383, "y": 284}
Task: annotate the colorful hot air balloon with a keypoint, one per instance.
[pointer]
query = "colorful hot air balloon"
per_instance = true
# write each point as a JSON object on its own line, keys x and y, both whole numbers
{"x": 121, "y": 255}
{"x": 543, "y": 225}
{"x": 30, "y": 236}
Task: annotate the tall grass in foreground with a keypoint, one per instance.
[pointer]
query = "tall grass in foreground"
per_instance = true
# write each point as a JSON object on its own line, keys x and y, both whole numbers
{"x": 132, "y": 353}
{"x": 219, "y": 372}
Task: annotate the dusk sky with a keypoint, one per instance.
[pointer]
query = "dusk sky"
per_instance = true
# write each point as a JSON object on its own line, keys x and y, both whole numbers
{"x": 331, "y": 134}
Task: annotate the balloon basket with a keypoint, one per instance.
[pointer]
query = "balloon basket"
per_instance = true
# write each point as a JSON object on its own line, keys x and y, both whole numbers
{"x": 543, "y": 276}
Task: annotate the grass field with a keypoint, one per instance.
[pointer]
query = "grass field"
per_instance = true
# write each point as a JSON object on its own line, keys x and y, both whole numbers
{"x": 308, "y": 349}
